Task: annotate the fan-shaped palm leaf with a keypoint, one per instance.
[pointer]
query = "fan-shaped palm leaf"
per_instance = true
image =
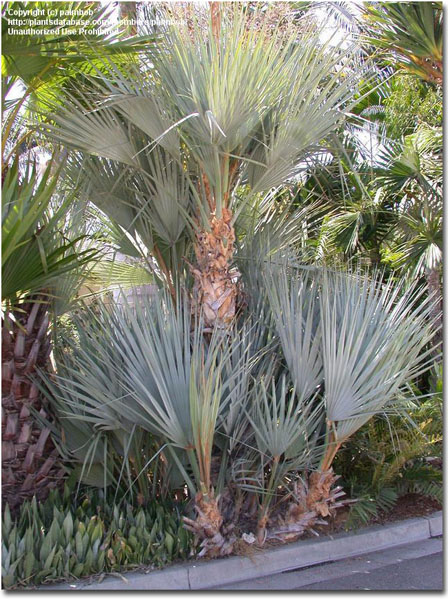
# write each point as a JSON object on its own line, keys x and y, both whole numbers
{"x": 296, "y": 314}
{"x": 374, "y": 341}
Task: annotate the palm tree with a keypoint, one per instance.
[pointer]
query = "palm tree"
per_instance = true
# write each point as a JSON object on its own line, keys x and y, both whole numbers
{"x": 36, "y": 257}
{"x": 170, "y": 145}
{"x": 44, "y": 62}
{"x": 251, "y": 420}
{"x": 360, "y": 216}
{"x": 410, "y": 32}
{"x": 370, "y": 339}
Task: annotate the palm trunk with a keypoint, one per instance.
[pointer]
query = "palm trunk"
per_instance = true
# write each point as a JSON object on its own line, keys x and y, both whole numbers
{"x": 29, "y": 457}
{"x": 214, "y": 295}
{"x": 215, "y": 13}
{"x": 315, "y": 498}
{"x": 215, "y": 288}
{"x": 216, "y": 540}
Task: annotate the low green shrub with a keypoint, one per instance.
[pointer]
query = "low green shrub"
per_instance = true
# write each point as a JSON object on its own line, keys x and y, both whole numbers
{"x": 389, "y": 458}
{"x": 59, "y": 539}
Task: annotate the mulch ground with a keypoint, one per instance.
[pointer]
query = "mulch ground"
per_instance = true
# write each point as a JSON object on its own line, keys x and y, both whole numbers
{"x": 407, "y": 507}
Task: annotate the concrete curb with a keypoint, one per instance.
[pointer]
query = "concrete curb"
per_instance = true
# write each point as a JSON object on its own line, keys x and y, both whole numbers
{"x": 200, "y": 575}
{"x": 358, "y": 566}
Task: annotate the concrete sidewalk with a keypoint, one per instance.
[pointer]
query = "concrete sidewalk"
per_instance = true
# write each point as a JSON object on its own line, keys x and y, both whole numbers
{"x": 208, "y": 574}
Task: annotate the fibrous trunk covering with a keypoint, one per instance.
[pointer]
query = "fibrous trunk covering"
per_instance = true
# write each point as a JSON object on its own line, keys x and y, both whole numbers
{"x": 29, "y": 457}
{"x": 315, "y": 499}
{"x": 215, "y": 540}
{"x": 215, "y": 287}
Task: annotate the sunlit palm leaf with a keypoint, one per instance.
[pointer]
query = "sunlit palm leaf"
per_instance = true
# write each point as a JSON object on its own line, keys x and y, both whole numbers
{"x": 107, "y": 273}
{"x": 411, "y": 32}
{"x": 35, "y": 252}
{"x": 261, "y": 100}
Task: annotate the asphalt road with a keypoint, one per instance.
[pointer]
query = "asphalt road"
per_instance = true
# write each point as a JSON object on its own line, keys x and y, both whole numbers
{"x": 416, "y": 566}
{"x": 425, "y": 573}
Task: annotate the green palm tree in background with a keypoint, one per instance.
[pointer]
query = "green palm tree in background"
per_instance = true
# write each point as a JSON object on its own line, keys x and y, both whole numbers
{"x": 37, "y": 257}
{"x": 46, "y": 63}
{"x": 45, "y": 252}
{"x": 413, "y": 175}
{"x": 410, "y": 33}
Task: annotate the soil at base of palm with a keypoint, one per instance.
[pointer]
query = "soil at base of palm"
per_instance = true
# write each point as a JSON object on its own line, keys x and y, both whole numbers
{"x": 407, "y": 507}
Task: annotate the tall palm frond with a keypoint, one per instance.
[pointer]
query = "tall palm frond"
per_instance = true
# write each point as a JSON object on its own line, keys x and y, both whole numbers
{"x": 352, "y": 338}
{"x": 296, "y": 313}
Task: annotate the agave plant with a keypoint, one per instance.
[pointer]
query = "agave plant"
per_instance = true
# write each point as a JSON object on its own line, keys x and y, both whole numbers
{"x": 63, "y": 538}
{"x": 169, "y": 144}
